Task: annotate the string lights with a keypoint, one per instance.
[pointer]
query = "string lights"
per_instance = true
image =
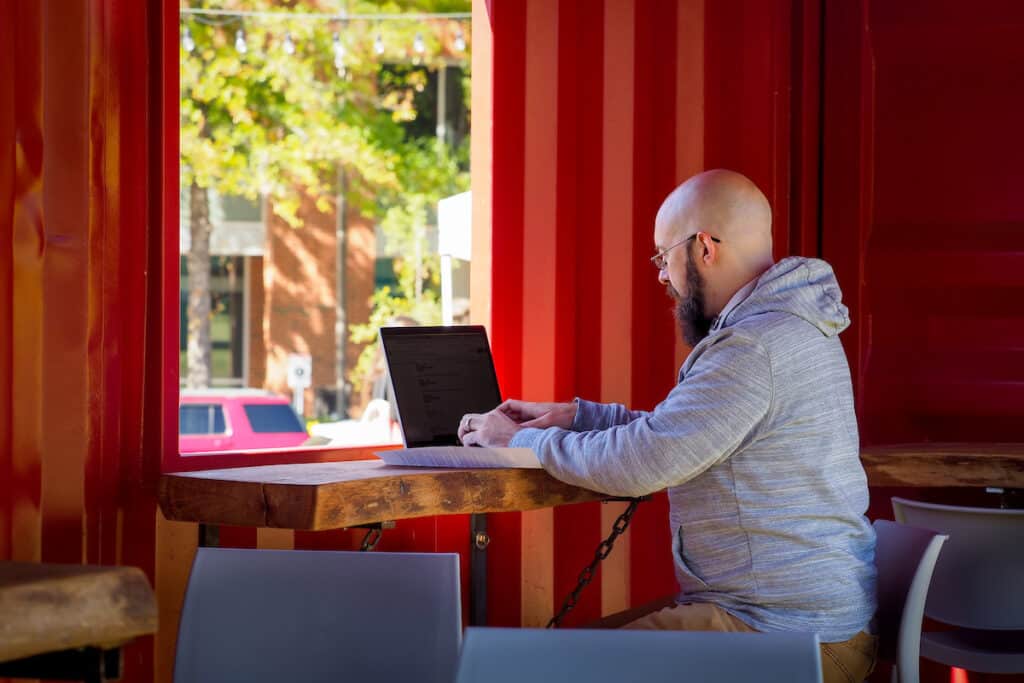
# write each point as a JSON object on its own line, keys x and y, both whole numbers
{"x": 238, "y": 18}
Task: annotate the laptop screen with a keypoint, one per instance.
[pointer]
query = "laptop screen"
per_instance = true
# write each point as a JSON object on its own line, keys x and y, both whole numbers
{"x": 438, "y": 374}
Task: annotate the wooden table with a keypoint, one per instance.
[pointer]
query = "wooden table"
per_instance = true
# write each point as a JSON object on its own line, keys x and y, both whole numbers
{"x": 314, "y": 496}
{"x": 951, "y": 464}
{"x": 69, "y": 620}
{"x": 343, "y": 494}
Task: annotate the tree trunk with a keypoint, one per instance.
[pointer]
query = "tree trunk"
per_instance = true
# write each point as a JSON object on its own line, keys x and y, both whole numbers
{"x": 199, "y": 290}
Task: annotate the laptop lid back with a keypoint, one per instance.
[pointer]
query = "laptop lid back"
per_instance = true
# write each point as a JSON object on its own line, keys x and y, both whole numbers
{"x": 438, "y": 374}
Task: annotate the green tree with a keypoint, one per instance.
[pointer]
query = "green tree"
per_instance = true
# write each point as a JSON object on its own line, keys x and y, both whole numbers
{"x": 301, "y": 104}
{"x": 429, "y": 172}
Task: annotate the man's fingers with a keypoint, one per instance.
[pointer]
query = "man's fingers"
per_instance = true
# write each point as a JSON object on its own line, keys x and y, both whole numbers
{"x": 466, "y": 425}
{"x": 519, "y": 411}
{"x": 471, "y": 439}
{"x": 544, "y": 421}
{"x": 511, "y": 408}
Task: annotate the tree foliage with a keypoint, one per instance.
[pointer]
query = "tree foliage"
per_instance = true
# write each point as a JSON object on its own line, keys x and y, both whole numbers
{"x": 431, "y": 173}
{"x": 269, "y": 122}
{"x": 281, "y": 123}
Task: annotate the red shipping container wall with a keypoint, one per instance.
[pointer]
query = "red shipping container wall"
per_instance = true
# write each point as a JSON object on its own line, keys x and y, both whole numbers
{"x": 84, "y": 417}
{"x": 599, "y": 110}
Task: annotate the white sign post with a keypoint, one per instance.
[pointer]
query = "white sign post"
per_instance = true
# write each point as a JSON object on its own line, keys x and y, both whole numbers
{"x": 300, "y": 376}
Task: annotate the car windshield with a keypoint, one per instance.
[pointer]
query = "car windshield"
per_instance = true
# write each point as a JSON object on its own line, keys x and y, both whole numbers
{"x": 201, "y": 418}
{"x": 269, "y": 417}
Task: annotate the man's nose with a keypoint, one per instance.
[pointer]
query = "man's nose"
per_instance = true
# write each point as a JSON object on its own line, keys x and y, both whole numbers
{"x": 663, "y": 276}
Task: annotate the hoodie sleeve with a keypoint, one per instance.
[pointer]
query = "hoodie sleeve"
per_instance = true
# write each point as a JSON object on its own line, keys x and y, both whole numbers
{"x": 708, "y": 416}
{"x": 590, "y": 415}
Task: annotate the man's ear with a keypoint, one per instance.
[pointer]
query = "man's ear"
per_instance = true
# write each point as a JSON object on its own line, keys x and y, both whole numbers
{"x": 709, "y": 250}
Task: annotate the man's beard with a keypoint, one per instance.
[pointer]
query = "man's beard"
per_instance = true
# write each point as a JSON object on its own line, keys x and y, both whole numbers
{"x": 690, "y": 310}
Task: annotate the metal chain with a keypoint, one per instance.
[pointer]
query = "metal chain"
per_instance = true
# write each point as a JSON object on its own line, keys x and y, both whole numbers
{"x": 604, "y": 548}
{"x": 371, "y": 539}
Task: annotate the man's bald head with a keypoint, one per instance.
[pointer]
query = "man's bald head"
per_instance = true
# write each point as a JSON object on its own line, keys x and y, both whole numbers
{"x": 731, "y": 221}
{"x": 725, "y": 204}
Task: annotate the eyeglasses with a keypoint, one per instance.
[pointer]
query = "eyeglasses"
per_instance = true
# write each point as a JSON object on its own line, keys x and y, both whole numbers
{"x": 659, "y": 259}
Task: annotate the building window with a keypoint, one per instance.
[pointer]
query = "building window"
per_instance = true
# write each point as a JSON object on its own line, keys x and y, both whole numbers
{"x": 227, "y": 323}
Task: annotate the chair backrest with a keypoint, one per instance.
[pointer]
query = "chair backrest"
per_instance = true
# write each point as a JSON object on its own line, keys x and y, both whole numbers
{"x": 978, "y": 578}
{"x": 502, "y": 655}
{"x": 905, "y": 557}
{"x": 290, "y": 615}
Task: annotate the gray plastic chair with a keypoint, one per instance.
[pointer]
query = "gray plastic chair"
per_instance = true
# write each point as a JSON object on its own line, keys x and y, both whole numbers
{"x": 978, "y": 586}
{"x": 512, "y": 655}
{"x": 905, "y": 557}
{"x": 292, "y": 615}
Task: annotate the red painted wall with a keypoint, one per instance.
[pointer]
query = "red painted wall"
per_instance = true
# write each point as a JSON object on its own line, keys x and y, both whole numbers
{"x": 84, "y": 417}
{"x": 924, "y": 222}
{"x": 599, "y": 111}
{"x": 925, "y": 219}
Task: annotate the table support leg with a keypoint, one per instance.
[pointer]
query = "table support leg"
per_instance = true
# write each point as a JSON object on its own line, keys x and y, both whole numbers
{"x": 478, "y": 541}
{"x": 88, "y": 664}
{"x": 209, "y": 536}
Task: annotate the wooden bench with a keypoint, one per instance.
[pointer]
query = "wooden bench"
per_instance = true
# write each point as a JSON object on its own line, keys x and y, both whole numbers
{"x": 68, "y": 621}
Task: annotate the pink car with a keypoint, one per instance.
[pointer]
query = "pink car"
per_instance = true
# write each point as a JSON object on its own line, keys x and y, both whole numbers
{"x": 236, "y": 419}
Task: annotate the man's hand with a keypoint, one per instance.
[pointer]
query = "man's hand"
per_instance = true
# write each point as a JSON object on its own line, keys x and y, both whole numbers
{"x": 496, "y": 428}
{"x": 540, "y": 415}
{"x": 493, "y": 429}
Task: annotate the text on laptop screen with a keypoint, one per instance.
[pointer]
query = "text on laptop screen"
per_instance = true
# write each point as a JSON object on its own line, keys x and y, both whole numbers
{"x": 438, "y": 374}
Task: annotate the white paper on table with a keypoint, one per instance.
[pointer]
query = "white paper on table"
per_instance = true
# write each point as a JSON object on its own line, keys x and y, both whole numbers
{"x": 461, "y": 456}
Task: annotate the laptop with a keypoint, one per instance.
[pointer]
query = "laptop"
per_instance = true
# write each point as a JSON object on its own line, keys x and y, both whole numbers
{"x": 437, "y": 375}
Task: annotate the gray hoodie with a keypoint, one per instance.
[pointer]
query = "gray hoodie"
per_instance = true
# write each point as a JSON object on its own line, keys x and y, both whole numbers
{"x": 757, "y": 445}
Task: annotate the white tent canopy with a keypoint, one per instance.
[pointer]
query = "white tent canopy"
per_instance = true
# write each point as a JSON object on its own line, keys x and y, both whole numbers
{"x": 454, "y": 240}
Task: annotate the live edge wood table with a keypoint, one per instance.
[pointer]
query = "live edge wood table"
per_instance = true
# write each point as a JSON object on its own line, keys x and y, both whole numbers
{"x": 347, "y": 494}
{"x": 334, "y": 495}
{"x": 995, "y": 465}
{"x": 68, "y": 621}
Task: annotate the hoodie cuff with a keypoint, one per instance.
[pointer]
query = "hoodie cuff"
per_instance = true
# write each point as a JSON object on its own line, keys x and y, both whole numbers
{"x": 526, "y": 438}
{"x": 588, "y": 416}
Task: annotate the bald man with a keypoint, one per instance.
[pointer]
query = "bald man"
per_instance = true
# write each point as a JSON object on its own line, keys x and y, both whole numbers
{"x": 757, "y": 443}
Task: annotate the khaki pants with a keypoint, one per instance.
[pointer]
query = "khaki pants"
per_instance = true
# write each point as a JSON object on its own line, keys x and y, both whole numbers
{"x": 850, "y": 661}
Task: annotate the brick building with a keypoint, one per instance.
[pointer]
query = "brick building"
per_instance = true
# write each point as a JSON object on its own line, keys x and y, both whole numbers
{"x": 278, "y": 290}
{"x": 275, "y": 292}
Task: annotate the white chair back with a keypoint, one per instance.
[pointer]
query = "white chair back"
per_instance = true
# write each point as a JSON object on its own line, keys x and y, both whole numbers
{"x": 501, "y": 655}
{"x": 905, "y": 557}
{"x": 288, "y": 615}
{"x": 979, "y": 579}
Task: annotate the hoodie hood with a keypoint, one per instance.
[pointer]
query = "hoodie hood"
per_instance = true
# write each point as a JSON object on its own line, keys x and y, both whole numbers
{"x": 803, "y": 287}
